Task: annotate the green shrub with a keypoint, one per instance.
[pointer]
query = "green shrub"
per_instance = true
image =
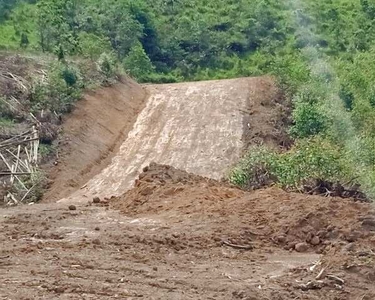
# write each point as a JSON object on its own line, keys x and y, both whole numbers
{"x": 138, "y": 64}
{"x": 107, "y": 65}
{"x": 59, "y": 92}
{"x": 253, "y": 169}
{"x": 308, "y": 120}
{"x": 309, "y": 159}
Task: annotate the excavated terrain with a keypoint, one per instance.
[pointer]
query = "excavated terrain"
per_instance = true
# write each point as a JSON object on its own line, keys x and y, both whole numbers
{"x": 156, "y": 222}
{"x": 180, "y": 236}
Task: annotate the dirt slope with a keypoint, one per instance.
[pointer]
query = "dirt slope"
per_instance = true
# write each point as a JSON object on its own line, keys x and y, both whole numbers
{"x": 176, "y": 236}
{"x": 200, "y": 127}
{"x": 92, "y": 135}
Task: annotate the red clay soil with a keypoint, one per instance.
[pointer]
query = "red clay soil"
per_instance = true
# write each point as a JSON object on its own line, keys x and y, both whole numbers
{"x": 92, "y": 134}
{"x": 180, "y": 236}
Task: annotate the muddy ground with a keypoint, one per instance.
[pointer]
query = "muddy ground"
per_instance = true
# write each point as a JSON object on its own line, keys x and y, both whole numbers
{"x": 181, "y": 236}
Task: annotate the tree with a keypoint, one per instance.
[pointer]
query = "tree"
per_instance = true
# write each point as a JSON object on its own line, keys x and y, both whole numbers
{"x": 137, "y": 63}
{"x": 92, "y": 46}
{"x": 24, "y": 40}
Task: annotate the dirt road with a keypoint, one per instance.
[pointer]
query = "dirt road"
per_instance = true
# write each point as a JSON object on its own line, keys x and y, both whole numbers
{"x": 198, "y": 127}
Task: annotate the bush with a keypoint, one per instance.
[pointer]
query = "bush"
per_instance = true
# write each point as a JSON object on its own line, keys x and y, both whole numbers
{"x": 107, "y": 66}
{"x": 253, "y": 170}
{"x": 92, "y": 46}
{"x": 59, "y": 92}
{"x": 138, "y": 64}
{"x": 308, "y": 160}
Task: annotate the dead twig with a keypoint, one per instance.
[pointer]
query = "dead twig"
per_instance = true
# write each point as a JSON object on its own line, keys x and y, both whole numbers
{"x": 242, "y": 247}
{"x": 336, "y": 278}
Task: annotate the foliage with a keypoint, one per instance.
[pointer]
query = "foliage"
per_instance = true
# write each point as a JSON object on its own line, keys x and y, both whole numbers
{"x": 322, "y": 53}
{"x": 107, "y": 65}
{"x": 137, "y": 63}
{"x": 59, "y": 92}
{"x": 92, "y": 45}
{"x": 309, "y": 159}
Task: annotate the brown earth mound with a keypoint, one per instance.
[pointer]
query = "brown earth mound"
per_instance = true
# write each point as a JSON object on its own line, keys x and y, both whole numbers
{"x": 92, "y": 134}
{"x": 180, "y": 236}
{"x": 214, "y": 214}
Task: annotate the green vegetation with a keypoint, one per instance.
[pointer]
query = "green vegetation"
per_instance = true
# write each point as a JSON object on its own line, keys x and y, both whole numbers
{"x": 322, "y": 53}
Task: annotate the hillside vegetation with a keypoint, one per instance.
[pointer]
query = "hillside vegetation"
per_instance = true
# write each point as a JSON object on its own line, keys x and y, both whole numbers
{"x": 322, "y": 53}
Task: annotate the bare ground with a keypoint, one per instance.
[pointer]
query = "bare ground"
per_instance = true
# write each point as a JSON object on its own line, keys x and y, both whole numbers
{"x": 170, "y": 234}
{"x": 178, "y": 236}
{"x": 200, "y": 127}
{"x": 92, "y": 135}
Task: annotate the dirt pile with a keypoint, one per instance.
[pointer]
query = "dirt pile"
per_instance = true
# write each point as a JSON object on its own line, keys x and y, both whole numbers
{"x": 272, "y": 216}
{"x": 181, "y": 236}
{"x": 265, "y": 221}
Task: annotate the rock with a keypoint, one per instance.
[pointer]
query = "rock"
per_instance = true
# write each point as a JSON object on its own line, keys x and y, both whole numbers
{"x": 369, "y": 224}
{"x": 72, "y": 207}
{"x": 96, "y": 242}
{"x": 147, "y": 191}
{"x": 349, "y": 247}
{"x": 96, "y": 200}
{"x": 97, "y": 228}
{"x": 322, "y": 234}
{"x": 301, "y": 247}
{"x": 315, "y": 241}
{"x": 353, "y": 236}
{"x": 281, "y": 239}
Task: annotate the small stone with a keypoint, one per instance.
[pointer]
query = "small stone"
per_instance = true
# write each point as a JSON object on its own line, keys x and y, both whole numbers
{"x": 369, "y": 224}
{"x": 155, "y": 268}
{"x": 96, "y": 200}
{"x": 301, "y": 247}
{"x": 281, "y": 239}
{"x": 147, "y": 191}
{"x": 349, "y": 247}
{"x": 97, "y": 228}
{"x": 96, "y": 242}
{"x": 72, "y": 207}
{"x": 315, "y": 241}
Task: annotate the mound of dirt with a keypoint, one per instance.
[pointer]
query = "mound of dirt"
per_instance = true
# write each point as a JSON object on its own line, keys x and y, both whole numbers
{"x": 269, "y": 220}
{"x": 181, "y": 236}
{"x": 92, "y": 134}
{"x": 281, "y": 218}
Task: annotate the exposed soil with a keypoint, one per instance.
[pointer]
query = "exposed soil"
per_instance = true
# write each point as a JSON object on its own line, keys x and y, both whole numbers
{"x": 267, "y": 115}
{"x": 197, "y": 127}
{"x": 181, "y": 236}
{"x": 169, "y": 234}
{"x": 92, "y": 134}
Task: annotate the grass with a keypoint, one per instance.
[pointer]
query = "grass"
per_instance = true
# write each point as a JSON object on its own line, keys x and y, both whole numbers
{"x": 23, "y": 20}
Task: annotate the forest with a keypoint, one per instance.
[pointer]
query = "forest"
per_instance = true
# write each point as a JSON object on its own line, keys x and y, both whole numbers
{"x": 322, "y": 53}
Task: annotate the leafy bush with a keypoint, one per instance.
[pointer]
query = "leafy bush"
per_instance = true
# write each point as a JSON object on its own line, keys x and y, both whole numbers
{"x": 138, "y": 64}
{"x": 59, "y": 92}
{"x": 309, "y": 159}
{"x": 107, "y": 66}
{"x": 92, "y": 46}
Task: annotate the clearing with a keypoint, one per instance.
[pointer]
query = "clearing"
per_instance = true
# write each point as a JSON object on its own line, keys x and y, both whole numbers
{"x": 177, "y": 232}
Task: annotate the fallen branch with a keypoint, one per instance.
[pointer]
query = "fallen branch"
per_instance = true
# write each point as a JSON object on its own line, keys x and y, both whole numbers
{"x": 335, "y": 278}
{"x": 242, "y": 247}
